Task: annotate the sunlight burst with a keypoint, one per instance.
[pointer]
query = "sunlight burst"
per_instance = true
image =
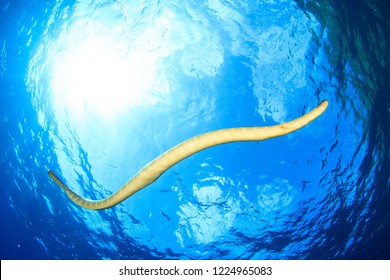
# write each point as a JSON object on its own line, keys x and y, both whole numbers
{"x": 102, "y": 75}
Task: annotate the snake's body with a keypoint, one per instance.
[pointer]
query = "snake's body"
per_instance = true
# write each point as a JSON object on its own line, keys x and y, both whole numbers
{"x": 149, "y": 173}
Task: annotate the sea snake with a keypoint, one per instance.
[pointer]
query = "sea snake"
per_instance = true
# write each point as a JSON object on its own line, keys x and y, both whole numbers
{"x": 150, "y": 172}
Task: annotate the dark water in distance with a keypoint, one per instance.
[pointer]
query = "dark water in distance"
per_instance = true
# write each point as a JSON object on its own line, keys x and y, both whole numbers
{"x": 96, "y": 90}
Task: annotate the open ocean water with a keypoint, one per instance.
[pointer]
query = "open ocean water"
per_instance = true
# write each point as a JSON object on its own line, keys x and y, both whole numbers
{"x": 94, "y": 90}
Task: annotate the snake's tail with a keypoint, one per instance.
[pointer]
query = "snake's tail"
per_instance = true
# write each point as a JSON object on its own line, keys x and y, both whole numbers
{"x": 71, "y": 194}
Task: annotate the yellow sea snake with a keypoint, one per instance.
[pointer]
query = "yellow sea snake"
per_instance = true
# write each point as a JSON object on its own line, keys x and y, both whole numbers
{"x": 158, "y": 166}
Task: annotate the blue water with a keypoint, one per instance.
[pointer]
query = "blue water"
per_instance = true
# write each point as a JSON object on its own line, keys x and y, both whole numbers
{"x": 94, "y": 90}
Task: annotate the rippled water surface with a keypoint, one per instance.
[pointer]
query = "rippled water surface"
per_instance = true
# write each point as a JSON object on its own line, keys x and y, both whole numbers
{"x": 94, "y": 90}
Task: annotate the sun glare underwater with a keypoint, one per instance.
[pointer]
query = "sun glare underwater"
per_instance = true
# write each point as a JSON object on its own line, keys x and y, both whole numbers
{"x": 95, "y": 90}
